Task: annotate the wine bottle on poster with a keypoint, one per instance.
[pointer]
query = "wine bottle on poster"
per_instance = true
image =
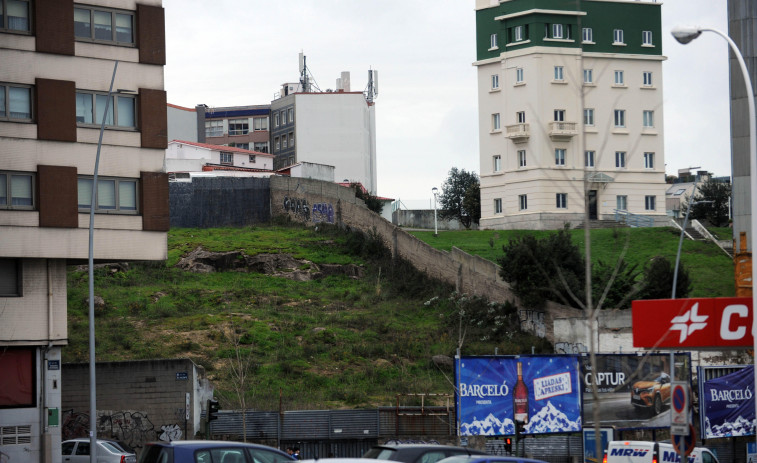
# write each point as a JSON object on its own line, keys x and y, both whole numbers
{"x": 520, "y": 398}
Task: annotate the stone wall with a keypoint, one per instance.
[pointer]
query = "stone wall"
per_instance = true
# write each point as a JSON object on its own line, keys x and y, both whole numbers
{"x": 137, "y": 401}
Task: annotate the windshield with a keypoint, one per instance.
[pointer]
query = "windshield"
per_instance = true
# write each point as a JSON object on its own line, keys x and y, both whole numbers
{"x": 380, "y": 453}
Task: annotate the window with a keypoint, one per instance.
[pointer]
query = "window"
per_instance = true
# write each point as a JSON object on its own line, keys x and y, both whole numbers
{"x": 277, "y": 143}
{"x": 589, "y": 116}
{"x": 276, "y": 121}
{"x": 648, "y": 117}
{"x": 649, "y": 160}
{"x": 16, "y": 190}
{"x": 284, "y": 144}
{"x": 649, "y": 203}
{"x": 214, "y": 128}
{"x": 493, "y": 41}
{"x": 290, "y": 112}
{"x": 617, "y": 37}
{"x": 495, "y": 122}
{"x": 90, "y": 109}
{"x": 495, "y": 81}
{"x": 239, "y": 126}
{"x": 589, "y": 158}
{"x": 498, "y": 206}
{"x": 113, "y": 195}
{"x": 260, "y": 123}
{"x": 14, "y": 16}
{"x": 21, "y": 391}
{"x": 620, "y": 159}
{"x": 619, "y": 80}
{"x": 497, "y": 163}
{"x": 291, "y": 139}
{"x": 15, "y": 102}
{"x": 559, "y": 156}
{"x": 588, "y": 76}
{"x": 646, "y": 38}
{"x": 559, "y": 73}
{"x": 559, "y": 115}
{"x": 521, "y": 158}
{"x": 518, "y": 33}
{"x": 227, "y": 158}
{"x": 621, "y": 202}
{"x": 620, "y": 118}
{"x": 561, "y": 200}
{"x": 557, "y": 31}
{"x": 283, "y": 117}
{"x": 520, "y": 116}
{"x": 523, "y": 202}
{"x": 104, "y": 25}
{"x": 252, "y": 158}
{"x": 261, "y": 146}
{"x": 587, "y": 35}
{"x": 518, "y": 75}
{"x": 244, "y": 146}
{"x": 647, "y": 78}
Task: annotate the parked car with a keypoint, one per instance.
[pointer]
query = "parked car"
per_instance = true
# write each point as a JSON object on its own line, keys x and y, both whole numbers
{"x": 108, "y": 451}
{"x": 208, "y": 451}
{"x": 489, "y": 459}
{"x": 652, "y": 452}
{"x": 417, "y": 453}
{"x": 651, "y": 393}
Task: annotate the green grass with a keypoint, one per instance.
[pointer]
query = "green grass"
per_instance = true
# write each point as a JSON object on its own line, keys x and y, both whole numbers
{"x": 710, "y": 269}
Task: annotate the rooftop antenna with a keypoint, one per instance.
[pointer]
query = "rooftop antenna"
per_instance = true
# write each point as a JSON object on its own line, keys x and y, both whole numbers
{"x": 371, "y": 91}
{"x": 307, "y": 82}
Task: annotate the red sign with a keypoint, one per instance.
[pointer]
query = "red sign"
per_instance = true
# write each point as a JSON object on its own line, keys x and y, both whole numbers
{"x": 692, "y": 323}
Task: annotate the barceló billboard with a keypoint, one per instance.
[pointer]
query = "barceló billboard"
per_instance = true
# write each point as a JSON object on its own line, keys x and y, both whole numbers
{"x": 693, "y": 323}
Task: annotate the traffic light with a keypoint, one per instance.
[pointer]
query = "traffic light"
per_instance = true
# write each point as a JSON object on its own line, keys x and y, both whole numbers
{"x": 212, "y": 410}
{"x": 508, "y": 445}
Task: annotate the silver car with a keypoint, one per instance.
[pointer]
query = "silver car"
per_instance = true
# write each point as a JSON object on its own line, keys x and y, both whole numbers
{"x": 108, "y": 451}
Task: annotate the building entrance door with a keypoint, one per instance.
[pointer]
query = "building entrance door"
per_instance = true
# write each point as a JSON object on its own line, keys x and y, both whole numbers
{"x": 592, "y": 204}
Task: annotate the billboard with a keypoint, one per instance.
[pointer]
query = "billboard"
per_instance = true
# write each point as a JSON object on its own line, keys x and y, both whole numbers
{"x": 633, "y": 389}
{"x": 543, "y": 392}
{"x": 727, "y": 404}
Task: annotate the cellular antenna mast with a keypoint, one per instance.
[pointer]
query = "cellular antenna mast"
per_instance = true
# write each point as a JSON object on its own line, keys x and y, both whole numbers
{"x": 371, "y": 91}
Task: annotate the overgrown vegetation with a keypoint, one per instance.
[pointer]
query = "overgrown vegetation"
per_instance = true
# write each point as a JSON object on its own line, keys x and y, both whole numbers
{"x": 328, "y": 343}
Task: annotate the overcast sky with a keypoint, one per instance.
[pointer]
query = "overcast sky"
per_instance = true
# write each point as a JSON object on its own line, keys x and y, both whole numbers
{"x": 239, "y": 52}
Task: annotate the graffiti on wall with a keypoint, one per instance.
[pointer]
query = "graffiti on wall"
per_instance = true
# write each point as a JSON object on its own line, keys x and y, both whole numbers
{"x": 570, "y": 348}
{"x": 323, "y": 212}
{"x": 318, "y": 212}
{"x": 298, "y": 206}
{"x": 131, "y": 427}
{"x": 533, "y": 322}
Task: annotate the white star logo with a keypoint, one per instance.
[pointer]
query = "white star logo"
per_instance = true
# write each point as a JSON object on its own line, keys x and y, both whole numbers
{"x": 689, "y": 322}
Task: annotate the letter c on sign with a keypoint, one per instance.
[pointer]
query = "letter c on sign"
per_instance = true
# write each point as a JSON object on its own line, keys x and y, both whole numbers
{"x": 725, "y": 322}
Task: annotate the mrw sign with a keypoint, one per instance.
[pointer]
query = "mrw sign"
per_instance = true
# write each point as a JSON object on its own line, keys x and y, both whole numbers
{"x": 693, "y": 323}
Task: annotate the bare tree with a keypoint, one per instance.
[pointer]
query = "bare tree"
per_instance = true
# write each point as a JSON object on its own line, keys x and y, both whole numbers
{"x": 241, "y": 364}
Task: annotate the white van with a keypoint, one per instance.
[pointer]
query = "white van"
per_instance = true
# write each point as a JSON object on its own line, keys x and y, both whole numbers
{"x": 630, "y": 451}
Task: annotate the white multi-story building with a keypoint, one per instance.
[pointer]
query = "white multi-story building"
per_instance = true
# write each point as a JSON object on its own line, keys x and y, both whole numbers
{"x": 570, "y": 112}
{"x": 57, "y": 60}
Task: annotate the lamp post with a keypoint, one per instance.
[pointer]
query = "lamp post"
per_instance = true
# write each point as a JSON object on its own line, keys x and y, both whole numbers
{"x": 685, "y": 34}
{"x": 435, "y": 191}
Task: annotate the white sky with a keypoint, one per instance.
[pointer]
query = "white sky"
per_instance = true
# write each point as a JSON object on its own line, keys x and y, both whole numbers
{"x": 239, "y": 52}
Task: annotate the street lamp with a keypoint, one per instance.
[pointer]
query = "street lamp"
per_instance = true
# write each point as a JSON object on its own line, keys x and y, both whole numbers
{"x": 435, "y": 191}
{"x": 685, "y": 34}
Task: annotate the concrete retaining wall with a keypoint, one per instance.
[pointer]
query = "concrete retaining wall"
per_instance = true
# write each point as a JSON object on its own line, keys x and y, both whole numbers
{"x": 207, "y": 202}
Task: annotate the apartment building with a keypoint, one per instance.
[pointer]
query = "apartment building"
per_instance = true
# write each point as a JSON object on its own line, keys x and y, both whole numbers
{"x": 570, "y": 112}
{"x": 58, "y": 60}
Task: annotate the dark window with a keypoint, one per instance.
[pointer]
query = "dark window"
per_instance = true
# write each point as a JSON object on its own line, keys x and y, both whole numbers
{"x": 17, "y": 377}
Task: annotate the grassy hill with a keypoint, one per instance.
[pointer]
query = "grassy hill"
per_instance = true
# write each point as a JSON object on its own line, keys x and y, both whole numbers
{"x": 322, "y": 339}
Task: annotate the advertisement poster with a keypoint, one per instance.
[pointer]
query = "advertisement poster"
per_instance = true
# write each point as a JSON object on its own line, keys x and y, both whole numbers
{"x": 727, "y": 404}
{"x": 594, "y": 448}
{"x": 634, "y": 390}
{"x": 542, "y": 392}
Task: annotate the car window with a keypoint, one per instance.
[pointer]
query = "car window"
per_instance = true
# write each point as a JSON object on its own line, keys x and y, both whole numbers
{"x": 67, "y": 448}
{"x": 111, "y": 447}
{"x": 380, "y": 453}
{"x": 203, "y": 456}
{"x": 82, "y": 448}
{"x": 266, "y": 456}
{"x": 221, "y": 455}
{"x": 122, "y": 445}
{"x": 707, "y": 457}
{"x": 432, "y": 457}
{"x": 156, "y": 454}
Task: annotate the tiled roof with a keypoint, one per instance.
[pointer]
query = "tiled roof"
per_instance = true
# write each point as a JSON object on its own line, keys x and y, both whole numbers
{"x": 228, "y": 149}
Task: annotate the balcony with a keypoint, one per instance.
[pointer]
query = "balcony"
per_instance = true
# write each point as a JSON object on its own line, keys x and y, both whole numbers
{"x": 562, "y": 131}
{"x": 518, "y": 133}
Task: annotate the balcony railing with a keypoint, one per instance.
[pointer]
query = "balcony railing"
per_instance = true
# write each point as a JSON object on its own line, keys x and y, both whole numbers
{"x": 518, "y": 133}
{"x": 562, "y": 131}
